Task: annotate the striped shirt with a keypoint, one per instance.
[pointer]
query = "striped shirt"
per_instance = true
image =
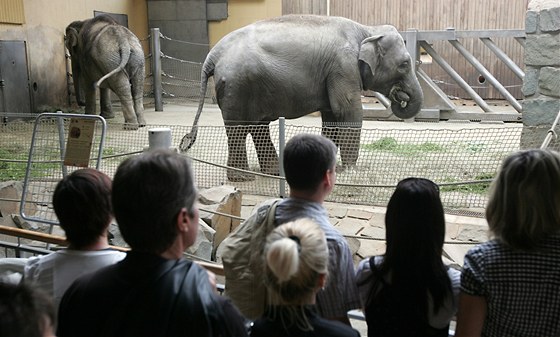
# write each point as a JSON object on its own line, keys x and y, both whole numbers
{"x": 522, "y": 288}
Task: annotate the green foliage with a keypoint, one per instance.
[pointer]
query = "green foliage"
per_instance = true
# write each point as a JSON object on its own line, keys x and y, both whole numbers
{"x": 390, "y": 144}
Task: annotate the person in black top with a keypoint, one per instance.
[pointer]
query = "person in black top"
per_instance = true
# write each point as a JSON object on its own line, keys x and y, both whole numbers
{"x": 296, "y": 266}
{"x": 154, "y": 291}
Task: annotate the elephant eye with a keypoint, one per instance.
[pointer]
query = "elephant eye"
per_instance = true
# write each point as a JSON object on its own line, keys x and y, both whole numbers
{"x": 403, "y": 67}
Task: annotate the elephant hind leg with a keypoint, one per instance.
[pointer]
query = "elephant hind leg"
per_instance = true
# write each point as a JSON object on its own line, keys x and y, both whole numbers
{"x": 266, "y": 152}
{"x": 105, "y": 103}
{"x": 122, "y": 89}
{"x": 237, "y": 153}
{"x": 137, "y": 89}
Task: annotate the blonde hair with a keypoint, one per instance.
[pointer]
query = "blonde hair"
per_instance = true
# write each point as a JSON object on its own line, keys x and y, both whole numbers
{"x": 296, "y": 255}
{"x": 524, "y": 203}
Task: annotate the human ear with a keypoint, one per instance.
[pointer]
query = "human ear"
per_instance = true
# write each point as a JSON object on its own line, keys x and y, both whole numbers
{"x": 183, "y": 220}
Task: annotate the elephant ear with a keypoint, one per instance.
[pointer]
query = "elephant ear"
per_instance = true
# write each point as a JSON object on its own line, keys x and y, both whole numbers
{"x": 71, "y": 39}
{"x": 369, "y": 57}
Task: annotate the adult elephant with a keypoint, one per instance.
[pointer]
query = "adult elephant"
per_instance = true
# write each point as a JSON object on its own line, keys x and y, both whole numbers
{"x": 107, "y": 55}
{"x": 297, "y": 64}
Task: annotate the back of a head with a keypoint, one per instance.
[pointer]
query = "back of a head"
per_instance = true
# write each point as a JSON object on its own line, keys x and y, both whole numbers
{"x": 307, "y": 158}
{"x": 296, "y": 254}
{"x": 524, "y": 202}
{"x": 25, "y": 311}
{"x": 149, "y": 191}
{"x": 82, "y": 203}
{"x": 415, "y": 221}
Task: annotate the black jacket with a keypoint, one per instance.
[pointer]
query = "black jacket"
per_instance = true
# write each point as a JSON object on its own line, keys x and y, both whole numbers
{"x": 147, "y": 295}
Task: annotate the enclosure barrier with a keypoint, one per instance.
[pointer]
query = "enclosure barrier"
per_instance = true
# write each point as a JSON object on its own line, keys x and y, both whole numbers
{"x": 461, "y": 158}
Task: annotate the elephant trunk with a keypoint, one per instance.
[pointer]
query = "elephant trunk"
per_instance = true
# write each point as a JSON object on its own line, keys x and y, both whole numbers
{"x": 406, "y": 98}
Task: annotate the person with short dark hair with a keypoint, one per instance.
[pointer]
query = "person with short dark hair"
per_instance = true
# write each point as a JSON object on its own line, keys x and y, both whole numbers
{"x": 295, "y": 269}
{"x": 510, "y": 285}
{"x": 154, "y": 291}
{"x": 409, "y": 291}
{"x": 82, "y": 204}
{"x": 25, "y": 311}
{"x": 310, "y": 170}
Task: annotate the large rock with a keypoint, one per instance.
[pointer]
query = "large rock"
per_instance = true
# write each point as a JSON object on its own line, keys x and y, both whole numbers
{"x": 223, "y": 199}
{"x": 10, "y": 191}
{"x": 203, "y": 247}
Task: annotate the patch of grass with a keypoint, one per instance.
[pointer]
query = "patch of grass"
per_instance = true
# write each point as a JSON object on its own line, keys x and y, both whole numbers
{"x": 13, "y": 164}
{"x": 12, "y": 170}
{"x": 477, "y": 188}
{"x": 109, "y": 151}
{"x": 390, "y": 144}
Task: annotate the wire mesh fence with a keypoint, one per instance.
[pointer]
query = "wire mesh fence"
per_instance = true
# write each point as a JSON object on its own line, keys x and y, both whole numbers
{"x": 461, "y": 160}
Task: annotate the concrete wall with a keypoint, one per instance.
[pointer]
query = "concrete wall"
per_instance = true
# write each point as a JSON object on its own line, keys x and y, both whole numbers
{"x": 541, "y": 86}
{"x": 43, "y": 31}
{"x": 242, "y": 13}
{"x": 182, "y": 20}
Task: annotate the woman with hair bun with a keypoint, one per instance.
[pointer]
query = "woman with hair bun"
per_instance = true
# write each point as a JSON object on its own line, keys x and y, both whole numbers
{"x": 296, "y": 267}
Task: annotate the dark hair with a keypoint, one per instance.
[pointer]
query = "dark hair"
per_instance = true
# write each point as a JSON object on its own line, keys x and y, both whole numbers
{"x": 82, "y": 203}
{"x": 149, "y": 191}
{"x": 307, "y": 158}
{"x": 415, "y": 222}
{"x": 24, "y": 311}
{"x": 524, "y": 203}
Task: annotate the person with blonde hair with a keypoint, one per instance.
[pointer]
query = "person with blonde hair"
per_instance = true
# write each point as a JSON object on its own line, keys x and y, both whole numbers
{"x": 510, "y": 285}
{"x": 296, "y": 268}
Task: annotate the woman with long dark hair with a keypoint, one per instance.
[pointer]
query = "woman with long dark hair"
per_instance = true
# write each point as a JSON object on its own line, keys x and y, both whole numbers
{"x": 409, "y": 291}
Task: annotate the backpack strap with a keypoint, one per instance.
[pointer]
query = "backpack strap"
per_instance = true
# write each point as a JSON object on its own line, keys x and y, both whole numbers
{"x": 377, "y": 280}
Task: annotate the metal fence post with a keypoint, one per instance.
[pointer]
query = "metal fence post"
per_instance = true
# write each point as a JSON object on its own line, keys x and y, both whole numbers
{"x": 281, "y": 145}
{"x": 155, "y": 49}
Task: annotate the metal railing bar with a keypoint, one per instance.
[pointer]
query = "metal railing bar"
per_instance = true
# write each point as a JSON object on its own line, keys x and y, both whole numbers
{"x": 503, "y": 57}
{"x": 455, "y": 76}
{"x": 493, "y": 81}
{"x": 452, "y": 34}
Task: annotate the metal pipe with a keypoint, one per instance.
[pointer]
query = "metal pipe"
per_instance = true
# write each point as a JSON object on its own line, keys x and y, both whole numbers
{"x": 493, "y": 81}
{"x": 503, "y": 56}
{"x": 455, "y": 76}
{"x": 281, "y": 146}
{"x": 551, "y": 132}
{"x": 383, "y": 99}
{"x": 155, "y": 49}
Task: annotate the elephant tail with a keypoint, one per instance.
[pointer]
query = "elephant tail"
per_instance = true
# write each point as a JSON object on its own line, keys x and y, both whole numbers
{"x": 188, "y": 140}
{"x": 125, "y": 56}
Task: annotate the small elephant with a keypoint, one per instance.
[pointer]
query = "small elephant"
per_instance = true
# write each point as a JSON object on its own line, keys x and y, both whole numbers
{"x": 107, "y": 56}
{"x": 293, "y": 65}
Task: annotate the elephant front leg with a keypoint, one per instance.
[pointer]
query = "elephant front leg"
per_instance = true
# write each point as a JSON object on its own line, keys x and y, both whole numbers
{"x": 346, "y": 138}
{"x": 237, "y": 153}
{"x": 90, "y": 100}
{"x": 349, "y": 145}
{"x": 266, "y": 152}
{"x": 105, "y": 103}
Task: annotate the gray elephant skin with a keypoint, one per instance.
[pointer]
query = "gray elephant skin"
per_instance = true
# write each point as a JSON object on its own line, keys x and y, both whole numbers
{"x": 294, "y": 65}
{"x": 107, "y": 55}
